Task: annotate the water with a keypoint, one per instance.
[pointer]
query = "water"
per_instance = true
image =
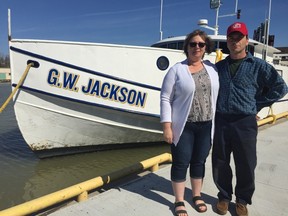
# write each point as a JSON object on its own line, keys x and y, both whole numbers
{"x": 25, "y": 177}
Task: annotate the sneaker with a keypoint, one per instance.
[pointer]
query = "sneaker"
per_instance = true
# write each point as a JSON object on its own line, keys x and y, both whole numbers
{"x": 241, "y": 209}
{"x": 222, "y": 207}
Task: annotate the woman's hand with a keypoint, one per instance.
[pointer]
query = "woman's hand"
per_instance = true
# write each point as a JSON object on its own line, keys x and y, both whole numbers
{"x": 167, "y": 132}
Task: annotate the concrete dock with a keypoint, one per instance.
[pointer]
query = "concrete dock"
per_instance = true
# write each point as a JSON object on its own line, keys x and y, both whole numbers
{"x": 152, "y": 194}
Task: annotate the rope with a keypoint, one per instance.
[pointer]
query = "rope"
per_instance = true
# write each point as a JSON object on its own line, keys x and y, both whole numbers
{"x": 17, "y": 87}
{"x": 270, "y": 114}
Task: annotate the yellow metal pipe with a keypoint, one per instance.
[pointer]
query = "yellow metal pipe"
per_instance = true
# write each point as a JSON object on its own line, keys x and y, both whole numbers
{"x": 80, "y": 191}
{"x": 265, "y": 121}
{"x": 272, "y": 118}
{"x": 53, "y": 198}
{"x": 156, "y": 160}
{"x": 281, "y": 115}
{"x": 143, "y": 165}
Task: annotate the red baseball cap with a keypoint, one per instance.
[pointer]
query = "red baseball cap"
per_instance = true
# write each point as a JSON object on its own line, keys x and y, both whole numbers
{"x": 237, "y": 27}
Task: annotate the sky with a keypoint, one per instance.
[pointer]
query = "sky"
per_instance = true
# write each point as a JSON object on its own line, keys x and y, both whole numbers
{"x": 131, "y": 22}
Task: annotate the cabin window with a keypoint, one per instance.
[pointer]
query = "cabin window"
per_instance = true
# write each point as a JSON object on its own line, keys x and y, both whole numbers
{"x": 222, "y": 46}
{"x": 160, "y": 45}
{"x": 251, "y": 49}
{"x": 225, "y": 50}
{"x": 172, "y": 46}
{"x": 280, "y": 72}
{"x": 276, "y": 61}
{"x": 178, "y": 45}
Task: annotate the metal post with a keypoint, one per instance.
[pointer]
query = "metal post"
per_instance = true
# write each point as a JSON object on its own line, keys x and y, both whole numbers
{"x": 9, "y": 25}
{"x": 267, "y": 28}
{"x": 236, "y": 7}
{"x": 161, "y": 11}
{"x": 216, "y": 24}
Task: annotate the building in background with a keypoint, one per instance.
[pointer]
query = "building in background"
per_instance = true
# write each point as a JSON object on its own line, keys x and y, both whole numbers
{"x": 260, "y": 34}
{"x": 5, "y": 75}
{"x": 281, "y": 57}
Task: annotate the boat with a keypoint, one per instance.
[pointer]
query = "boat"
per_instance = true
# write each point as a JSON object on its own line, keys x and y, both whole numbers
{"x": 76, "y": 97}
{"x": 101, "y": 95}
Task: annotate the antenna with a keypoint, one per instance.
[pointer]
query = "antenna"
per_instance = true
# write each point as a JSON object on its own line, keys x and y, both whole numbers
{"x": 215, "y": 4}
{"x": 9, "y": 25}
{"x": 267, "y": 29}
{"x": 161, "y": 11}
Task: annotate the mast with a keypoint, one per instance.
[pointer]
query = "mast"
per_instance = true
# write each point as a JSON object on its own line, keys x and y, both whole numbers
{"x": 267, "y": 30}
{"x": 216, "y": 23}
{"x": 215, "y": 4}
{"x": 161, "y": 11}
{"x": 9, "y": 25}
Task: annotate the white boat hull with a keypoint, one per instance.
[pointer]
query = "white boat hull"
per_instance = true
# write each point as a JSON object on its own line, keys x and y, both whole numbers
{"x": 85, "y": 95}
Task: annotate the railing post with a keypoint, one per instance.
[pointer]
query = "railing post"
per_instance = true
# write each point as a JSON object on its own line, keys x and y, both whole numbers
{"x": 83, "y": 196}
{"x": 155, "y": 167}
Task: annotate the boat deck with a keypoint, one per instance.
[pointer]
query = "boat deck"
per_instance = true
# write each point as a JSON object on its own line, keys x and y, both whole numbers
{"x": 152, "y": 193}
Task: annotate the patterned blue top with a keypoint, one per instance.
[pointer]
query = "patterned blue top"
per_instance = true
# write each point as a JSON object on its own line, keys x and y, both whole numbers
{"x": 255, "y": 85}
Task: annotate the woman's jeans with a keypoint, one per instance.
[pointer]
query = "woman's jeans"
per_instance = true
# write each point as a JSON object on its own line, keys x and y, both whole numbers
{"x": 192, "y": 149}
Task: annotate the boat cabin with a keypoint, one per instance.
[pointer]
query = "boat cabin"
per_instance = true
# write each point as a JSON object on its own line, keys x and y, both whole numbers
{"x": 219, "y": 42}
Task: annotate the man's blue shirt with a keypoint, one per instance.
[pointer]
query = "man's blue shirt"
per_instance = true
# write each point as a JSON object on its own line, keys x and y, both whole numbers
{"x": 255, "y": 85}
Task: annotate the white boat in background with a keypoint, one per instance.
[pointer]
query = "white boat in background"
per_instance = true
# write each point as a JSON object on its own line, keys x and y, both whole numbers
{"x": 82, "y": 96}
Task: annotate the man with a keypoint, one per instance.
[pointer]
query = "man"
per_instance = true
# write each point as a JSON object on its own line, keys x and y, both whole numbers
{"x": 247, "y": 84}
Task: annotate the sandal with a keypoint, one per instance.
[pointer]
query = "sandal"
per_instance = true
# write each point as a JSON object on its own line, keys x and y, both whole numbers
{"x": 182, "y": 211}
{"x": 198, "y": 206}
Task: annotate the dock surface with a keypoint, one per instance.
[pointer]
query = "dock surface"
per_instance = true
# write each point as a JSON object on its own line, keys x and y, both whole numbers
{"x": 152, "y": 194}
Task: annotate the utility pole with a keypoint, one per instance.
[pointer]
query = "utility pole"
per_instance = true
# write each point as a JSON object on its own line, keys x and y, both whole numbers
{"x": 267, "y": 30}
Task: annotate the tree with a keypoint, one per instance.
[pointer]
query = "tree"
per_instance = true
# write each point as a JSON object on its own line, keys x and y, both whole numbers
{"x": 4, "y": 61}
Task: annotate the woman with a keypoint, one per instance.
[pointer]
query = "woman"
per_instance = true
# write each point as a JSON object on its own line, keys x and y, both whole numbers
{"x": 188, "y": 103}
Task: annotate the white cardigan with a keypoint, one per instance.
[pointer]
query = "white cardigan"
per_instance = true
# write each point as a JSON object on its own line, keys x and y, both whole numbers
{"x": 177, "y": 94}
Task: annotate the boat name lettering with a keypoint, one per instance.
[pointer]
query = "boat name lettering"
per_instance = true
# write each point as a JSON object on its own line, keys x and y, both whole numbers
{"x": 69, "y": 80}
{"x": 105, "y": 90}
{"x": 114, "y": 92}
